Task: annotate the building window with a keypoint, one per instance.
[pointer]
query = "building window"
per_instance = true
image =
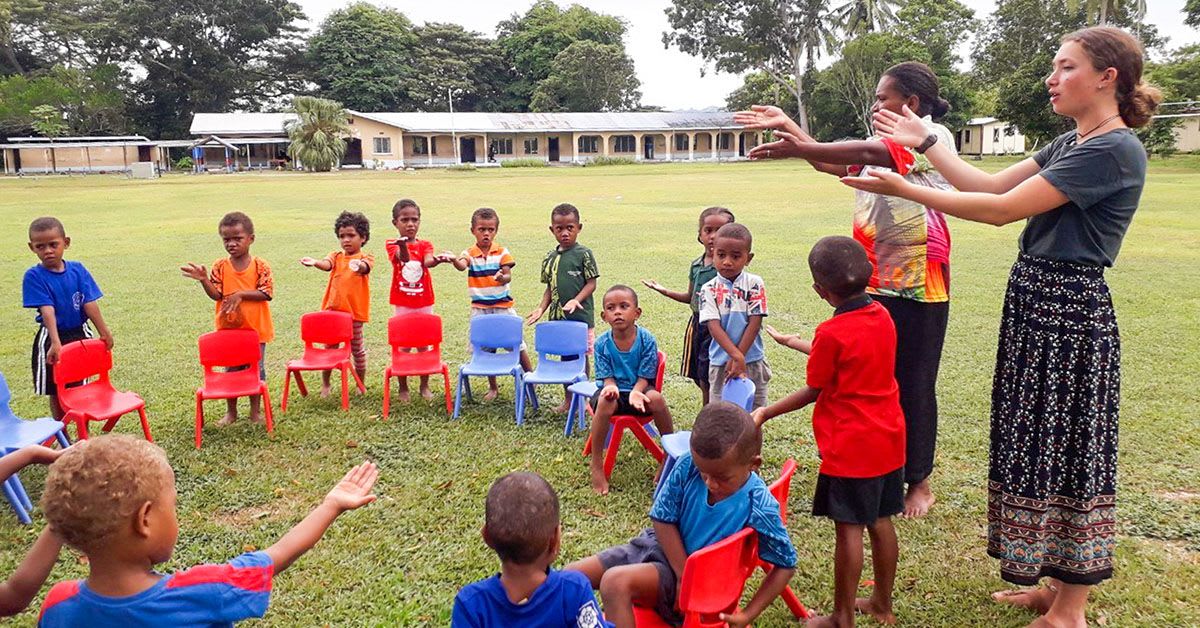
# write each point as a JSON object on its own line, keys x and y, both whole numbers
{"x": 967, "y": 136}
{"x": 531, "y": 147}
{"x": 503, "y": 147}
{"x": 681, "y": 141}
{"x": 724, "y": 141}
{"x": 625, "y": 144}
{"x": 381, "y": 145}
{"x": 420, "y": 145}
{"x": 589, "y": 144}
{"x": 995, "y": 135}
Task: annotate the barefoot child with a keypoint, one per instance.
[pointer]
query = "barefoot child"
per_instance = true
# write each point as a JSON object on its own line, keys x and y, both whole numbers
{"x": 242, "y": 287}
{"x": 696, "y": 340}
{"x": 733, "y": 305}
{"x": 489, "y": 272}
{"x": 858, "y": 425}
{"x": 521, "y": 525}
{"x": 66, "y": 298}
{"x": 711, "y": 493}
{"x": 23, "y": 585}
{"x": 569, "y": 272}
{"x": 349, "y": 288}
{"x": 113, "y": 498}
{"x": 412, "y": 286}
{"x": 626, "y": 367}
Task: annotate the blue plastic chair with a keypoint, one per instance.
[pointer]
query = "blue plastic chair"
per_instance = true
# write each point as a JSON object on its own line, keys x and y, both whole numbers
{"x": 562, "y": 357}
{"x": 740, "y": 392}
{"x": 580, "y": 393}
{"x": 674, "y": 445}
{"x": 495, "y": 352}
{"x": 16, "y": 433}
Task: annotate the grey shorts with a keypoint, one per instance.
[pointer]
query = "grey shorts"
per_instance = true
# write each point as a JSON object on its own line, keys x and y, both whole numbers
{"x": 644, "y": 548}
{"x": 759, "y": 372}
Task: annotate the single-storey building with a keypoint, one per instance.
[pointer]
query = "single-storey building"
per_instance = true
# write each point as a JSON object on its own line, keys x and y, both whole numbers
{"x": 240, "y": 141}
{"x": 989, "y": 136}
{"x": 80, "y": 154}
{"x": 1187, "y": 133}
{"x": 419, "y": 139}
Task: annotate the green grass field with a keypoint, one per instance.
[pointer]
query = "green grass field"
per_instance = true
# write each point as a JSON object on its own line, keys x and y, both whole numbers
{"x": 401, "y": 560}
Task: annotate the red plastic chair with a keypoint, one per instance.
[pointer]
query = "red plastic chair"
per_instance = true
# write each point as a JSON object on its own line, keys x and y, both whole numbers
{"x": 410, "y": 335}
{"x": 780, "y": 489}
{"x": 226, "y": 349}
{"x": 712, "y": 583}
{"x": 636, "y": 426}
{"x": 334, "y": 330}
{"x": 96, "y": 400}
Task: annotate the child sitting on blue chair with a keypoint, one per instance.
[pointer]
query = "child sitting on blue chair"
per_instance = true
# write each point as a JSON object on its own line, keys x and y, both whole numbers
{"x": 626, "y": 367}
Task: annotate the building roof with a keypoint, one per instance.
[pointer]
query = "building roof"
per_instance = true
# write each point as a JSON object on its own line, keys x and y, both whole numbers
{"x": 104, "y": 139}
{"x": 58, "y": 143}
{"x": 239, "y": 123}
{"x": 981, "y": 121}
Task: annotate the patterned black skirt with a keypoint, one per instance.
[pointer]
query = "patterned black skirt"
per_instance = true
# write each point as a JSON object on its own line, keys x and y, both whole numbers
{"x": 1055, "y": 398}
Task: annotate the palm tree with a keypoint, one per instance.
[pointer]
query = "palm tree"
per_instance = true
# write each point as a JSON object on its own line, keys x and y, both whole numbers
{"x": 1104, "y": 10}
{"x": 816, "y": 30}
{"x": 858, "y": 17}
{"x": 317, "y": 133}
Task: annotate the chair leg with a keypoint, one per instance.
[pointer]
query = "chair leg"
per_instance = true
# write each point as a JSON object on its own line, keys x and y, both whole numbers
{"x": 20, "y": 490}
{"x": 614, "y": 445}
{"x": 287, "y": 380}
{"x": 300, "y": 384}
{"x": 466, "y": 383}
{"x": 81, "y": 427}
{"x": 199, "y": 420}
{"x": 458, "y": 396}
{"x": 109, "y": 425}
{"x": 345, "y": 387}
{"x": 145, "y": 423}
{"x": 794, "y": 605}
{"x": 570, "y": 416}
{"x": 650, "y": 444}
{"x": 446, "y": 385}
{"x": 531, "y": 395}
{"x": 519, "y": 398}
{"x": 387, "y": 394}
{"x": 266, "y": 404}
{"x": 15, "y": 502}
{"x": 362, "y": 388}
{"x": 62, "y": 439}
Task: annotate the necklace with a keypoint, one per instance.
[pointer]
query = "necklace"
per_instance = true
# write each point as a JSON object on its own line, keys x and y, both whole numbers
{"x": 1079, "y": 135}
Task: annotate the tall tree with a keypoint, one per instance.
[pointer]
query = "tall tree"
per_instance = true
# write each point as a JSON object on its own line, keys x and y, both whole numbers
{"x": 318, "y": 133}
{"x": 939, "y": 25}
{"x": 362, "y": 57}
{"x": 47, "y": 122}
{"x": 589, "y": 76}
{"x": 758, "y": 88}
{"x": 779, "y": 37}
{"x": 858, "y": 17}
{"x": 844, "y": 92}
{"x": 89, "y": 101}
{"x": 472, "y": 67}
{"x": 1191, "y": 13}
{"x": 1105, "y": 11}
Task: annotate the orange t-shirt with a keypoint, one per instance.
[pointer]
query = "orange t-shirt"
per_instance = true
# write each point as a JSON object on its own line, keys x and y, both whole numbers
{"x": 254, "y": 315}
{"x": 349, "y": 291}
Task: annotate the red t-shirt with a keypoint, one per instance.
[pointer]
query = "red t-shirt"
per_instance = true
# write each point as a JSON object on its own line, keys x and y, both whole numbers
{"x": 411, "y": 284}
{"x": 857, "y": 420}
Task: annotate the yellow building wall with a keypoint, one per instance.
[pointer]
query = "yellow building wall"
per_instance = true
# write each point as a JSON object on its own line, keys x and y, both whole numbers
{"x": 367, "y": 130}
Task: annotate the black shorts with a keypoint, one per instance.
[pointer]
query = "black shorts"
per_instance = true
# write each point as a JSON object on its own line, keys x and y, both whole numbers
{"x": 644, "y": 548}
{"x": 624, "y": 408}
{"x": 696, "y": 342}
{"x": 43, "y": 373}
{"x": 860, "y": 501}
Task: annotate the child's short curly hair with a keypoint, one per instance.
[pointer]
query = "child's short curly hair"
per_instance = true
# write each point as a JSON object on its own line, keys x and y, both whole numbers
{"x": 353, "y": 219}
{"x": 234, "y": 219}
{"x": 96, "y": 485}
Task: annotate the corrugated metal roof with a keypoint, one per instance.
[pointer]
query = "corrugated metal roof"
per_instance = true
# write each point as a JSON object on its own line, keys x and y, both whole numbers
{"x": 58, "y": 145}
{"x": 82, "y": 138}
{"x": 239, "y": 123}
{"x": 980, "y": 121}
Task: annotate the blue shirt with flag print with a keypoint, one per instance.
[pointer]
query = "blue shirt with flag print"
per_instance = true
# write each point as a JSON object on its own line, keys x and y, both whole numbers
{"x": 733, "y": 303}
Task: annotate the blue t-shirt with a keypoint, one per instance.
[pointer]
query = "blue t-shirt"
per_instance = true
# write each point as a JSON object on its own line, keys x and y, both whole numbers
{"x": 66, "y": 291}
{"x": 683, "y": 502}
{"x": 733, "y": 303}
{"x": 626, "y": 366}
{"x": 564, "y": 599}
{"x": 203, "y": 596}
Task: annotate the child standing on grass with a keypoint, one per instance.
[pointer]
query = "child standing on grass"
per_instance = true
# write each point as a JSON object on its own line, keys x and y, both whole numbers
{"x": 626, "y": 370}
{"x": 858, "y": 425}
{"x": 412, "y": 286}
{"x": 242, "y": 287}
{"x": 349, "y": 288}
{"x": 489, "y": 273}
{"x": 23, "y": 585}
{"x": 521, "y": 524}
{"x": 733, "y": 305}
{"x": 113, "y": 498}
{"x": 65, "y": 296}
{"x": 696, "y": 339}
{"x": 569, "y": 272}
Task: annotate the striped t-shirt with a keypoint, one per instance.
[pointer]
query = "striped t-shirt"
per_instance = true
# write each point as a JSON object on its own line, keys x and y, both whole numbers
{"x": 482, "y": 267}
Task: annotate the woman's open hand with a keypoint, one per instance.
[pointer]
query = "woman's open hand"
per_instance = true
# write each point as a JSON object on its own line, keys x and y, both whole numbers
{"x": 884, "y": 182}
{"x": 762, "y": 117}
{"x": 786, "y": 147}
{"x": 906, "y": 130}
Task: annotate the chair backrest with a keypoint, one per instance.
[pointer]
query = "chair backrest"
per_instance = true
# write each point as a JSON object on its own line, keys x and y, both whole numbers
{"x": 326, "y": 328}
{"x": 415, "y": 331}
{"x": 715, "y": 576}
{"x": 5, "y": 397}
{"x": 561, "y": 338}
{"x": 782, "y": 487}
{"x": 740, "y": 392}
{"x": 662, "y": 371}
{"x": 81, "y": 360}
{"x": 496, "y": 332}
{"x": 226, "y": 348}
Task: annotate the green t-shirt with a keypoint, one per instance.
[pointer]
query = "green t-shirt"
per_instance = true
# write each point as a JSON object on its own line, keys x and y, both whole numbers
{"x": 565, "y": 272}
{"x": 698, "y": 275}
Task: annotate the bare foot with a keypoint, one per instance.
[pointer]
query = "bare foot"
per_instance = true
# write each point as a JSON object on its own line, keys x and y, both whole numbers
{"x": 325, "y": 391}
{"x": 562, "y": 409}
{"x": 491, "y": 394}
{"x": 1046, "y": 622}
{"x": 1037, "y": 599}
{"x": 880, "y": 611}
{"x": 599, "y": 482}
{"x": 426, "y": 394}
{"x": 403, "y": 395}
{"x": 827, "y": 621}
{"x": 228, "y": 419}
{"x": 918, "y": 500}
{"x": 257, "y": 417}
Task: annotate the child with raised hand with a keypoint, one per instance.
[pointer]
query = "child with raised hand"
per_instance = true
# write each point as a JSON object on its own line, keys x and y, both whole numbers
{"x": 521, "y": 524}
{"x": 626, "y": 368}
{"x": 858, "y": 425}
{"x": 733, "y": 305}
{"x": 349, "y": 288}
{"x": 489, "y": 273}
{"x": 412, "y": 285}
{"x": 710, "y": 494}
{"x": 65, "y": 296}
{"x": 23, "y": 585}
{"x": 113, "y": 498}
{"x": 697, "y": 340}
{"x": 569, "y": 272}
{"x": 242, "y": 287}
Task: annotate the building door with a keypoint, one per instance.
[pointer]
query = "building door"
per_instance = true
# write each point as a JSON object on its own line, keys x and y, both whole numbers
{"x": 741, "y": 144}
{"x": 648, "y": 147}
{"x": 144, "y": 153}
{"x": 466, "y": 149}
{"x": 16, "y": 160}
{"x": 552, "y": 148}
{"x": 353, "y": 156}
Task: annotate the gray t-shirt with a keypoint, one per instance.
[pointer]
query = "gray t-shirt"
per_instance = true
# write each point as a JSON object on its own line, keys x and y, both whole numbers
{"x": 1103, "y": 179}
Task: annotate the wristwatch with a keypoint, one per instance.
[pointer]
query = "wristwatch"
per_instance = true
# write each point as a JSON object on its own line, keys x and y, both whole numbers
{"x": 930, "y": 140}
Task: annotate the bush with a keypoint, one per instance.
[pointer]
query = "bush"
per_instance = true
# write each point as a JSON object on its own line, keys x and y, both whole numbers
{"x": 184, "y": 163}
{"x": 461, "y": 167}
{"x": 611, "y": 161}
{"x": 524, "y": 162}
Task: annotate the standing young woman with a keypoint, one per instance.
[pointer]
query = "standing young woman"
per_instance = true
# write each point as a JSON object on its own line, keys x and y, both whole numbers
{"x": 908, "y": 245}
{"x": 1056, "y": 389}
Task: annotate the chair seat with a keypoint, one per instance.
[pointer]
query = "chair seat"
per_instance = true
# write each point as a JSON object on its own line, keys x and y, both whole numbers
{"x": 100, "y": 402}
{"x": 18, "y": 433}
{"x": 319, "y": 360}
{"x": 491, "y": 364}
{"x": 586, "y": 388}
{"x": 552, "y": 372}
{"x": 234, "y": 384}
{"x": 646, "y": 618}
{"x": 412, "y": 364}
{"x": 677, "y": 444}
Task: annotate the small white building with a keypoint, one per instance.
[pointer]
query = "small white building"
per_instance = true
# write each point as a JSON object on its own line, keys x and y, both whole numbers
{"x": 989, "y": 136}
{"x": 1187, "y": 134}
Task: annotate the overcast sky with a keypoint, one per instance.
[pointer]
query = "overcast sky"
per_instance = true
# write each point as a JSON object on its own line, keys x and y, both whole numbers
{"x": 669, "y": 78}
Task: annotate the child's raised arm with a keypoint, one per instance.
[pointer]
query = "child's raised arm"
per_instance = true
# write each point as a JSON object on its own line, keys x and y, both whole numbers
{"x": 354, "y": 491}
{"x": 31, "y": 574}
{"x": 25, "y": 456}
{"x": 682, "y": 297}
{"x": 321, "y": 264}
{"x": 200, "y": 273}
{"x": 460, "y": 262}
{"x": 790, "y": 340}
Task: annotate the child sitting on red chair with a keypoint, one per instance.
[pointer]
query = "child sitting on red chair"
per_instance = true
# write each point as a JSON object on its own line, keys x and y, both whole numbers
{"x": 711, "y": 493}
{"x": 626, "y": 367}
{"x": 349, "y": 288}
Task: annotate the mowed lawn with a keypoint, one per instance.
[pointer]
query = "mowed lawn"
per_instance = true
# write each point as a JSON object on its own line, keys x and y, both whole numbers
{"x": 401, "y": 560}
